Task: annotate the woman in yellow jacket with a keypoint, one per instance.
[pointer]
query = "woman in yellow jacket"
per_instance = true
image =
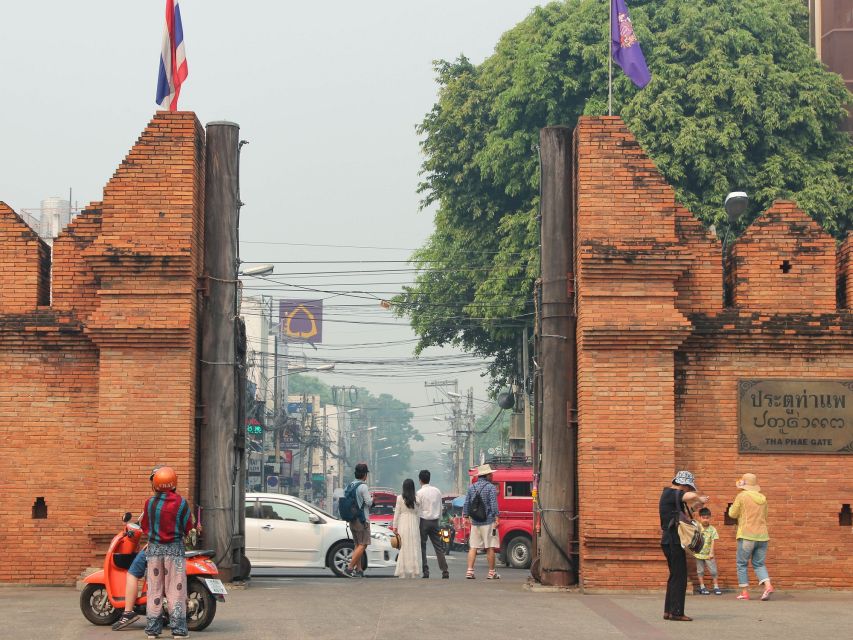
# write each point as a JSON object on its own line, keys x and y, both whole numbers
{"x": 750, "y": 510}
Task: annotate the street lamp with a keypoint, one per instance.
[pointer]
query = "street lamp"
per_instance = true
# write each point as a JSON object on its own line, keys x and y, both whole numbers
{"x": 735, "y": 205}
{"x": 259, "y": 270}
{"x": 393, "y": 455}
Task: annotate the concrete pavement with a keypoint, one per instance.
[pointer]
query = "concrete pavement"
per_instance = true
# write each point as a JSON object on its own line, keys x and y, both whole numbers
{"x": 316, "y": 605}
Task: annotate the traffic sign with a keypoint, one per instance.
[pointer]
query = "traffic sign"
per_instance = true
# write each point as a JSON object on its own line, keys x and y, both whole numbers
{"x": 272, "y": 481}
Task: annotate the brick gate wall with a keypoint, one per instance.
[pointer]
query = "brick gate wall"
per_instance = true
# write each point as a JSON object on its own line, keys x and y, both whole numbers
{"x": 98, "y": 384}
{"x": 659, "y": 358}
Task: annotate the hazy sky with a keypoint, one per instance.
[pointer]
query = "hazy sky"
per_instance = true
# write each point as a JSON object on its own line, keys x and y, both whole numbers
{"x": 327, "y": 93}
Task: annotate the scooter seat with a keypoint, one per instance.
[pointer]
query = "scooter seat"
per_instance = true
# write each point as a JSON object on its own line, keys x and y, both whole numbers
{"x": 200, "y": 552}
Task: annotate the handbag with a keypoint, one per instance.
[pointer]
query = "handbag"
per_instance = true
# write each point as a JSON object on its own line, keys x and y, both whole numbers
{"x": 689, "y": 531}
{"x": 395, "y": 540}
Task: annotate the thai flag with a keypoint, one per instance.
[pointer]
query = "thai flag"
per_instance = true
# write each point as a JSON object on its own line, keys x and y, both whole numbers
{"x": 173, "y": 59}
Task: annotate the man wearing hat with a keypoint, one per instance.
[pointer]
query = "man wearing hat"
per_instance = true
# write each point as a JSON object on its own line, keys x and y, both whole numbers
{"x": 481, "y": 508}
{"x": 750, "y": 510}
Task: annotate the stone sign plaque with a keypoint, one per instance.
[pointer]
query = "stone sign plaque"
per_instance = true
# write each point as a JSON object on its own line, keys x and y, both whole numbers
{"x": 782, "y": 415}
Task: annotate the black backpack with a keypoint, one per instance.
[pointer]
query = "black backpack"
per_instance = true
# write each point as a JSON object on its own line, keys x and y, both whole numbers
{"x": 477, "y": 510}
{"x": 348, "y": 503}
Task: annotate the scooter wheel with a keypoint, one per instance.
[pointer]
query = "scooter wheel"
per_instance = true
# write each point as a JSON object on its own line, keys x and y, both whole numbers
{"x": 96, "y": 606}
{"x": 201, "y": 606}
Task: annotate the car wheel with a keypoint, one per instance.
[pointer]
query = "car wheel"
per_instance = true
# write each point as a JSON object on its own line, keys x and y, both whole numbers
{"x": 96, "y": 606}
{"x": 519, "y": 552}
{"x": 340, "y": 556}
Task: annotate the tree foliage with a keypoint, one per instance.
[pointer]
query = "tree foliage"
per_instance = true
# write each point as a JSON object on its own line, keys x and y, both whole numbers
{"x": 737, "y": 101}
{"x": 391, "y": 417}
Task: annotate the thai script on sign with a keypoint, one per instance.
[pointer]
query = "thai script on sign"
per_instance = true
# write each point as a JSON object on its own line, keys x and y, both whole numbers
{"x": 795, "y": 416}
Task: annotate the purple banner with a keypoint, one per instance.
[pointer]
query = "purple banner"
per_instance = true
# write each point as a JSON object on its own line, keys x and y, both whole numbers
{"x": 301, "y": 320}
{"x": 624, "y": 45}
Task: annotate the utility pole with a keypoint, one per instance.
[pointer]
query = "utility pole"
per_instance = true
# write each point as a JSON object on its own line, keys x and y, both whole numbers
{"x": 300, "y": 489}
{"x": 460, "y": 476}
{"x": 219, "y": 458}
{"x": 525, "y": 367}
{"x": 559, "y": 445}
{"x": 469, "y": 423}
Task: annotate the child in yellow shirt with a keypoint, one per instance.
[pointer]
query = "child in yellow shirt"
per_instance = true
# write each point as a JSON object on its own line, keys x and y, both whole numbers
{"x": 705, "y": 559}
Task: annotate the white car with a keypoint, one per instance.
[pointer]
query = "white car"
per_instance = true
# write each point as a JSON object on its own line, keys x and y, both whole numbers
{"x": 284, "y": 531}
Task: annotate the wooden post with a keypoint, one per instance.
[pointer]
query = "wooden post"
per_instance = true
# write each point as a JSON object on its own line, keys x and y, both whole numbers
{"x": 218, "y": 456}
{"x": 559, "y": 449}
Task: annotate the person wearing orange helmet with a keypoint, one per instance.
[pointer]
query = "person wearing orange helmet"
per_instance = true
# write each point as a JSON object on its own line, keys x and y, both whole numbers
{"x": 166, "y": 520}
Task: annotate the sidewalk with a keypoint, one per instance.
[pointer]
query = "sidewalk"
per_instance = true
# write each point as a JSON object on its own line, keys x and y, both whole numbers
{"x": 319, "y": 606}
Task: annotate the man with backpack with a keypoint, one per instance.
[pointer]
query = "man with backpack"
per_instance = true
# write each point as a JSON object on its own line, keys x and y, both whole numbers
{"x": 354, "y": 507}
{"x": 481, "y": 508}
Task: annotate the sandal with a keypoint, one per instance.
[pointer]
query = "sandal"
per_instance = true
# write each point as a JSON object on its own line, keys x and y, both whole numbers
{"x": 493, "y": 575}
{"x": 470, "y": 574}
{"x": 767, "y": 592}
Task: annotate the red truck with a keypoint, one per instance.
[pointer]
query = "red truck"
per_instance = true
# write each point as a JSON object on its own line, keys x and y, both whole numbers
{"x": 384, "y": 501}
{"x": 514, "y": 482}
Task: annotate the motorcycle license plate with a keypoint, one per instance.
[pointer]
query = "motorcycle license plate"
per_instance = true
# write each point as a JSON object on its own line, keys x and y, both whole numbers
{"x": 215, "y": 586}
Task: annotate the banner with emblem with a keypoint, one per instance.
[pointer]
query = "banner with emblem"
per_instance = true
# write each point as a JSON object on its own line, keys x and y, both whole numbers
{"x": 301, "y": 320}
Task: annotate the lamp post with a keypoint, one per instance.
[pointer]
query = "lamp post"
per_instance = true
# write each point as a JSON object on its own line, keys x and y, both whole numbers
{"x": 735, "y": 205}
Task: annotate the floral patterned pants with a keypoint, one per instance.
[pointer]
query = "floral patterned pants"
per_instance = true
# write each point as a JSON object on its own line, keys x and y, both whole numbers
{"x": 167, "y": 578}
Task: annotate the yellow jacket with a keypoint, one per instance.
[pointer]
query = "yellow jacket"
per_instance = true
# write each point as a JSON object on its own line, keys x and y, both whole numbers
{"x": 750, "y": 509}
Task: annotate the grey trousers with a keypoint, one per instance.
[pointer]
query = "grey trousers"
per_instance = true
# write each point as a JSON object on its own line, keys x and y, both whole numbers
{"x": 429, "y": 529}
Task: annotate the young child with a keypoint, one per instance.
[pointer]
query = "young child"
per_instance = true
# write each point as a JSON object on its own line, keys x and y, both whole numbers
{"x": 166, "y": 520}
{"x": 705, "y": 558}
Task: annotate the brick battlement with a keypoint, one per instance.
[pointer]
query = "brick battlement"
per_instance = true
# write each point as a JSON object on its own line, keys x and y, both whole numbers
{"x": 660, "y": 356}
{"x": 98, "y": 385}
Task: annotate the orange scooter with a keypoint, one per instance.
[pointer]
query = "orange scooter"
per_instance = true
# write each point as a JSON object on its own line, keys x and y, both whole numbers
{"x": 102, "y": 599}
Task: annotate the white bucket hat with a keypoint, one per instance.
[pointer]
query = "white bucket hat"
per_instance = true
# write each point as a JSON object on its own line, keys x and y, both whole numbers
{"x": 685, "y": 477}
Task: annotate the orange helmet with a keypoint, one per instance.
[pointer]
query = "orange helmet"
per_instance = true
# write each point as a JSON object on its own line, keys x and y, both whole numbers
{"x": 164, "y": 479}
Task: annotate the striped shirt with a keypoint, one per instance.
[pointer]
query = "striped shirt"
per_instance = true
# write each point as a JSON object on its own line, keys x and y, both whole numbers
{"x": 166, "y": 518}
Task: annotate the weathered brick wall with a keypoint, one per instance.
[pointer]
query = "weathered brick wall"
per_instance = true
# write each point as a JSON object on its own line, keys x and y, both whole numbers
{"x": 784, "y": 262}
{"x": 75, "y": 285}
{"x": 629, "y": 258}
{"x": 101, "y": 386}
{"x": 844, "y": 273}
{"x": 24, "y": 265}
{"x": 659, "y": 359}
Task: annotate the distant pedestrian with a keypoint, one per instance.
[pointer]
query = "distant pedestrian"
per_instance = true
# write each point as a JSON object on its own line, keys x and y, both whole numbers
{"x": 481, "y": 508}
{"x": 672, "y": 500}
{"x": 750, "y": 511}
{"x": 360, "y": 526}
{"x": 406, "y": 524}
{"x": 706, "y": 558}
{"x": 166, "y": 520}
{"x": 429, "y": 500}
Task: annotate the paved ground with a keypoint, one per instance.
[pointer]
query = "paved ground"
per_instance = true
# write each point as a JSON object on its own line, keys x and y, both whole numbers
{"x": 316, "y": 605}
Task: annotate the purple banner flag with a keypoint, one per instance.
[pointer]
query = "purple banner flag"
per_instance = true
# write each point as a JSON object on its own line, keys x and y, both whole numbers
{"x": 301, "y": 320}
{"x": 624, "y": 45}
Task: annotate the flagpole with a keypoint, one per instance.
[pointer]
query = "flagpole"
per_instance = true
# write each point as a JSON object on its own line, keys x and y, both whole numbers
{"x": 610, "y": 62}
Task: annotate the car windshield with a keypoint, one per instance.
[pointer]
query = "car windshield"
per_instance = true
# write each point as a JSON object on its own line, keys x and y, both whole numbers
{"x": 382, "y": 510}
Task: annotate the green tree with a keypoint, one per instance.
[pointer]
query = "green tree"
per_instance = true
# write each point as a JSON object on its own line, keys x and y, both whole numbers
{"x": 737, "y": 101}
{"x": 391, "y": 418}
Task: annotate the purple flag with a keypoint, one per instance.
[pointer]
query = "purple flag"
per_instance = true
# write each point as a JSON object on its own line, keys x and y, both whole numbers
{"x": 624, "y": 45}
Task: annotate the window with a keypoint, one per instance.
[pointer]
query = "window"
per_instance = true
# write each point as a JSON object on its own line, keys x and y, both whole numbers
{"x": 518, "y": 489}
{"x": 281, "y": 511}
{"x": 251, "y": 507}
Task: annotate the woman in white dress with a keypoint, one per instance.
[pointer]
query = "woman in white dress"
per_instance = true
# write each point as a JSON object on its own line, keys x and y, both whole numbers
{"x": 407, "y": 523}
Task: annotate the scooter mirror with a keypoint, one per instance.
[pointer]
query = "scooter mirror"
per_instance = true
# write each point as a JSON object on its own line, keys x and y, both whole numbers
{"x": 127, "y": 516}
